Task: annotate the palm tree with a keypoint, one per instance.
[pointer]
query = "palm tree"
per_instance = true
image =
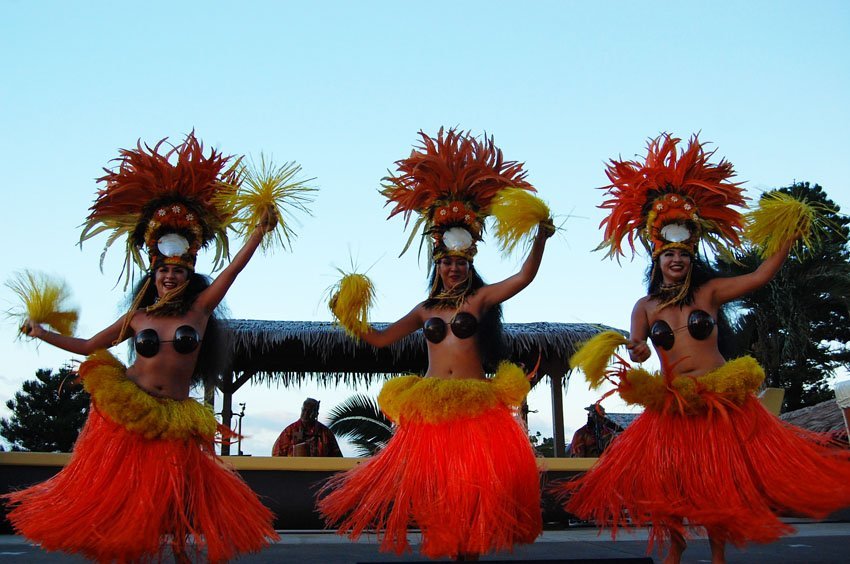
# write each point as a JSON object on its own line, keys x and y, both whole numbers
{"x": 360, "y": 421}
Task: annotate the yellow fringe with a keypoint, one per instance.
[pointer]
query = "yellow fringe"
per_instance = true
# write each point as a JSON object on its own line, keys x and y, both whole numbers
{"x": 594, "y": 355}
{"x": 734, "y": 381}
{"x": 779, "y": 218}
{"x": 437, "y": 400}
{"x": 122, "y": 401}
{"x": 517, "y": 213}
{"x": 43, "y": 300}
{"x": 351, "y": 299}
{"x": 273, "y": 189}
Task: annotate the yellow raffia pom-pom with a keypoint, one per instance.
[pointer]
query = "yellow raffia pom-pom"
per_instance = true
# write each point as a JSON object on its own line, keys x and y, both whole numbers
{"x": 43, "y": 300}
{"x": 779, "y": 218}
{"x": 594, "y": 356}
{"x": 351, "y": 299}
{"x": 122, "y": 401}
{"x": 274, "y": 189}
{"x": 438, "y": 400}
{"x": 517, "y": 213}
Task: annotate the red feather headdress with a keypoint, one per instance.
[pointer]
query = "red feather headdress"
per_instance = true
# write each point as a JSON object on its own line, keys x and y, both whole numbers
{"x": 172, "y": 202}
{"x": 450, "y": 182}
{"x": 671, "y": 200}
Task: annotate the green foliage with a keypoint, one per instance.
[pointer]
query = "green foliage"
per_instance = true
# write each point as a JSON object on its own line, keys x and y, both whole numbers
{"x": 360, "y": 421}
{"x": 798, "y": 326}
{"x": 47, "y": 414}
{"x": 544, "y": 446}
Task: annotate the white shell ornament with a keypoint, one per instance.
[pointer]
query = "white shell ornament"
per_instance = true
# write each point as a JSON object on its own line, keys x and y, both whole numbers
{"x": 457, "y": 239}
{"x": 675, "y": 233}
{"x": 172, "y": 245}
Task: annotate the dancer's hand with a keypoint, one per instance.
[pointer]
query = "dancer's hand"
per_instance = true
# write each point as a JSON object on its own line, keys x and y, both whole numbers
{"x": 546, "y": 229}
{"x": 33, "y": 330}
{"x": 269, "y": 221}
{"x": 638, "y": 350}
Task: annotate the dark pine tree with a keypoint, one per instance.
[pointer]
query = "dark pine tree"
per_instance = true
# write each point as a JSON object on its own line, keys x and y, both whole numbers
{"x": 47, "y": 414}
{"x": 798, "y": 326}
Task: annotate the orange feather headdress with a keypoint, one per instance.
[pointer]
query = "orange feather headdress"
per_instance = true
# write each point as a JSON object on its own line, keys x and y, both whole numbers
{"x": 172, "y": 202}
{"x": 671, "y": 200}
{"x": 451, "y": 182}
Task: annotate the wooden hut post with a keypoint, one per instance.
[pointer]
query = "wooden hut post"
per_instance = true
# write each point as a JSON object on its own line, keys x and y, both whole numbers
{"x": 557, "y": 374}
{"x": 226, "y": 387}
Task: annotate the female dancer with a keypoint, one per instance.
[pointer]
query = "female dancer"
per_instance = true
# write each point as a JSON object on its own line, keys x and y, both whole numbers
{"x": 705, "y": 453}
{"x": 144, "y": 474}
{"x": 458, "y": 466}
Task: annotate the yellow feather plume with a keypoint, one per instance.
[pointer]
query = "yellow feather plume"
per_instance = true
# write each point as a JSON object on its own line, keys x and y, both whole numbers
{"x": 351, "y": 299}
{"x": 780, "y": 217}
{"x": 517, "y": 212}
{"x": 43, "y": 300}
{"x": 593, "y": 357}
{"x": 269, "y": 188}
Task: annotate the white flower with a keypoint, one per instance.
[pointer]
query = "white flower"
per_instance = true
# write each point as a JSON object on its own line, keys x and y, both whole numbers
{"x": 160, "y": 213}
{"x": 176, "y": 209}
{"x": 443, "y": 212}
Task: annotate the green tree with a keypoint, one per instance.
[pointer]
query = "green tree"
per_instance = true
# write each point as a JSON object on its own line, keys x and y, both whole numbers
{"x": 543, "y": 446}
{"x": 798, "y": 326}
{"x": 360, "y": 421}
{"x": 47, "y": 414}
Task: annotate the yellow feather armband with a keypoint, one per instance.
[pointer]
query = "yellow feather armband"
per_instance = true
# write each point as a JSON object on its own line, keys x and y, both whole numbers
{"x": 437, "y": 400}
{"x": 122, "y": 401}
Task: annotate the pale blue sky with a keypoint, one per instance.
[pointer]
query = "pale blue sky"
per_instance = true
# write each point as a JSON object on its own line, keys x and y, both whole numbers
{"x": 343, "y": 87}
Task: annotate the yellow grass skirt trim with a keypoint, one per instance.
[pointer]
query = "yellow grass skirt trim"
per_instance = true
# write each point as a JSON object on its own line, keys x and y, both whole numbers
{"x": 730, "y": 383}
{"x": 122, "y": 401}
{"x": 437, "y": 400}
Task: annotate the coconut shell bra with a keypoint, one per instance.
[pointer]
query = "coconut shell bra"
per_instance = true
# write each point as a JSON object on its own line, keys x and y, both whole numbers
{"x": 700, "y": 325}
{"x": 463, "y": 326}
{"x": 186, "y": 340}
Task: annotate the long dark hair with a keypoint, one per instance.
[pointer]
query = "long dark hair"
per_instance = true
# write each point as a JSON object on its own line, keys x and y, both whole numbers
{"x": 214, "y": 356}
{"x": 491, "y": 332}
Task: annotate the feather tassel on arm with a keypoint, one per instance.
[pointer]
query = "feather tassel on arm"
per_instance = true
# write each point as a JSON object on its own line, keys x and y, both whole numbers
{"x": 781, "y": 217}
{"x": 517, "y": 213}
{"x": 351, "y": 299}
{"x": 268, "y": 187}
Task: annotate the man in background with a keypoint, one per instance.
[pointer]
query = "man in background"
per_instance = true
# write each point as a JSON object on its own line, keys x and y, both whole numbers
{"x": 307, "y": 437}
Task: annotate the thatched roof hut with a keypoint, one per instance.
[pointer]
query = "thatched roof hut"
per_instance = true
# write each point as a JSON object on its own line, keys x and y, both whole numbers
{"x": 286, "y": 352}
{"x": 824, "y": 417}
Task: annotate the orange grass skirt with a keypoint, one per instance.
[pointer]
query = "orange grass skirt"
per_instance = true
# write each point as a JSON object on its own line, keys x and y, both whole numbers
{"x": 730, "y": 471}
{"x": 126, "y": 497}
{"x": 459, "y": 467}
